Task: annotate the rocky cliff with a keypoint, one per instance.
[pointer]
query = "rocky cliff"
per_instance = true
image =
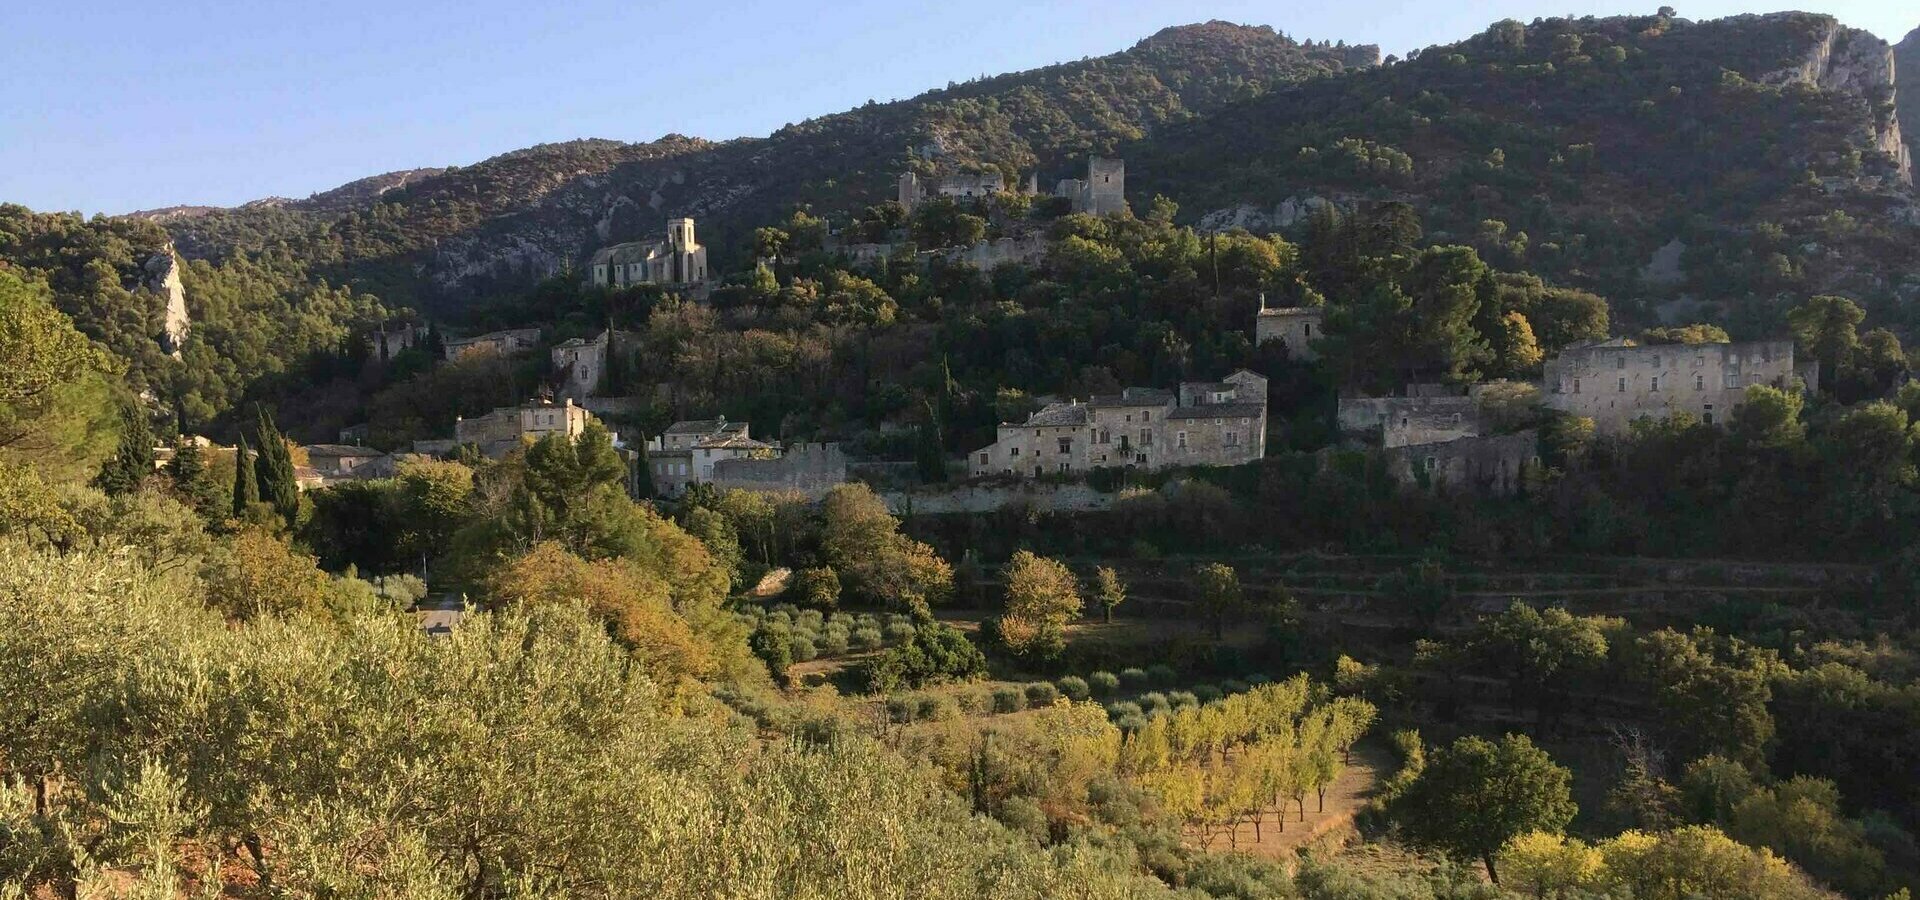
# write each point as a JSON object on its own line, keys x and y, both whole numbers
{"x": 1855, "y": 62}
{"x": 1906, "y": 71}
{"x": 163, "y": 279}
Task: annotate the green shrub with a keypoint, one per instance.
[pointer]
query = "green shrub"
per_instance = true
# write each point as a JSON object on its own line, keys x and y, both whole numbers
{"x": 1182, "y": 699}
{"x": 1007, "y": 699}
{"x": 1133, "y": 678}
{"x": 867, "y": 639}
{"x": 1154, "y": 703}
{"x": 933, "y": 708}
{"x": 802, "y": 649}
{"x": 974, "y": 701}
{"x": 1074, "y": 687}
{"x": 932, "y": 654}
{"x": 834, "y": 643}
{"x": 1122, "y": 709}
{"x": 1232, "y": 686}
{"x": 1257, "y": 679}
{"x": 899, "y": 710}
{"x": 1103, "y": 684}
{"x": 1041, "y": 693}
{"x": 1133, "y": 722}
{"x": 1162, "y": 674}
{"x": 898, "y": 631}
{"x": 1206, "y": 693}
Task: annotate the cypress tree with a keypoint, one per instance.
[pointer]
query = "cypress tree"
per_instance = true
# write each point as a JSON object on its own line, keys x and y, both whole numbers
{"x": 188, "y": 469}
{"x": 273, "y": 468}
{"x": 246, "y": 489}
{"x": 133, "y": 461}
{"x": 643, "y": 486}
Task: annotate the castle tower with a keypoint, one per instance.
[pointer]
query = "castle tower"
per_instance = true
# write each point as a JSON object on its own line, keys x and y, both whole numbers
{"x": 683, "y": 266}
{"x": 1106, "y": 185}
{"x": 909, "y": 192}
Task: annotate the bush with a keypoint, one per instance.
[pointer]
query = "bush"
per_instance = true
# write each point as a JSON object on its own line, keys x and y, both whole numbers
{"x": 834, "y": 643}
{"x": 802, "y": 649}
{"x": 1257, "y": 679}
{"x": 1133, "y": 678}
{"x": 934, "y": 653}
{"x": 1122, "y": 710}
{"x": 1041, "y": 693}
{"x": 1006, "y": 700}
{"x": 1206, "y": 693}
{"x": 1074, "y": 687}
{"x": 974, "y": 701}
{"x": 1154, "y": 703}
{"x": 1103, "y": 683}
{"x": 899, "y": 710}
{"x": 898, "y": 631}
{"x": 936, "y": 709}
{"x": 1162, "y": 674}
{"x": 867, "y": 639}
{"x": 809, "y": 618}
{"x": 1182, "y": 699}
{"x": 845, "y": 620}
{"x": 1231, "y": 686}
{"x": 1133, "y": 722}
{"x": 818, "y": 588}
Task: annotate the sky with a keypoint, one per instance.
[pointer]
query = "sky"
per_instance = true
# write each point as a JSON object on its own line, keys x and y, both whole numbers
{"x": 112, "y": 105}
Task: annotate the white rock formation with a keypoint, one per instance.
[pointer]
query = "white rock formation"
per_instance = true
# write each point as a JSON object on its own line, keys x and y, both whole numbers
{"x": 1856, "y": 62}
{"x": 163, "y": 278}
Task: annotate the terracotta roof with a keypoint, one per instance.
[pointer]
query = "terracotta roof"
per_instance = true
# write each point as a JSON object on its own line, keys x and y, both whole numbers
{"x": 1219, "y": 411}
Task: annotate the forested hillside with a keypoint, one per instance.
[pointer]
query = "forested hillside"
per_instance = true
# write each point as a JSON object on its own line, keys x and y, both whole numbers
{"x": 1749, "y": 147}
{"x": 520, "y": 216}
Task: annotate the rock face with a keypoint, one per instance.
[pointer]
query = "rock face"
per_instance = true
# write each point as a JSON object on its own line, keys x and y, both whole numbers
{"x": 163, "y": 279}
{"x": 1906, "y": 76}
{"x": 1854, "y": 61}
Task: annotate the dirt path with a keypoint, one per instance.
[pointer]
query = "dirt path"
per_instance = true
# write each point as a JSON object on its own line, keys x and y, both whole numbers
{"x": 1350, "y": 792}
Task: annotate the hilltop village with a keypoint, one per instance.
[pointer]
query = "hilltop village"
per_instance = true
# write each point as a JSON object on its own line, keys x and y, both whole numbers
{"x": 1233, "y": 468}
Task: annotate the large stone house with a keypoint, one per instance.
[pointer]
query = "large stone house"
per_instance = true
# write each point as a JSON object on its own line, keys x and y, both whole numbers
{"x": 508, "y": 427}
{"x": 1103, "y": 191}
{"x": 1439, "y": 437}
{"x": 687, "y": 451}
{"x": 580, "y": 364}
{"x": 1614, "y": 382}
{"x": 677, "y": 260}
{"x": 1220, "y": 423}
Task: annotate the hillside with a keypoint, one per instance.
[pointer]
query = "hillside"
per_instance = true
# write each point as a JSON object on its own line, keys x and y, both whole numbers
{"x": 522, "y": 215}
{"x": 1757, "y": 150}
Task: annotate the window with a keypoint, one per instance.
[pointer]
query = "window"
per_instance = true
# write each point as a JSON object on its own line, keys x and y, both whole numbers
{"x": 1146, "y": 417}
{"x": 1146, "y": 438}
{"x": 1233, "y": 438}
{"x": 1656, "y": 360}
{"x": 1562, "y": 387}
{"x": 1619, "y": 362}
{"x": 1699, "y": 382}
{"x": 1403, "y": 421}
{"x": 1180, "y": 440}
{"x": 1066, "y": 445}
{"x": 1576, "y": 385}
{"x": 1307, "y": 328}
{"x": 1623, "y": 385}
{"x": 1655, "y": 383}
{"x": 1013, "y": 451}
{"x": 984, "y": 456}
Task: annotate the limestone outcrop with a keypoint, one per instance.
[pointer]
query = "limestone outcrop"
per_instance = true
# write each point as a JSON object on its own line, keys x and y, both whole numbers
{"x": 163, "y": 279}
{"x": 1854, "y": 61}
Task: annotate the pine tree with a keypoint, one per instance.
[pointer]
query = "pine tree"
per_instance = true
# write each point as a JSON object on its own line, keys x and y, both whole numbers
{"x": 133, "y": 462}
{"x": 273, "y": 468}
{"x": 246, "y": 488}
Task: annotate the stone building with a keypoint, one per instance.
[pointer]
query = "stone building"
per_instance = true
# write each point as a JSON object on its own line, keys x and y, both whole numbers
{"x": 580, "y": 364}
{"x": 508, "y": 427}
{"x": 1220, "y": 423}
{"x": 913, "y": 190}
{"x": 338, "y": 461}
{"x": 1614, "y": 382}
{"x": 812, "y": 469}
{"x": 1409, "y": 421}
{"x": 687, "y": 451}
{"x": 680, "y": 259}
{"x": 388, "y": 341}
{"x": 505, "y": 343}
{"x": 1489, "y": 464}
{"x": 1103, "y": 191}
{"x": 1438, "y": 436}
{"x": 1296, "y": 327}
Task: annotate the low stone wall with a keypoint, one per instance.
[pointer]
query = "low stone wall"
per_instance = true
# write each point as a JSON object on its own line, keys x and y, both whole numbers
{"x": 812, "y": 469}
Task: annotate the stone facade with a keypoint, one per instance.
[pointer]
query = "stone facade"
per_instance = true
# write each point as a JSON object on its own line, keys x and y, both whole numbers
{"x": 1296, "y": 327}
{"x": 913, "y": 190}
{"x": 334, "y": 461}
{"x": 505, "y": 343}
{"x": 1408, "y": 421}
{"x": 687, "y": 451}
{"x": 508, "y": 427}
{"x": 680, "y": 259}
{"x": 1103, "y": 191}
{"x": 1613, "y": 382}
{"x": 580, "y": 364}
{"x": 811, "y": 469}
{"x": 1488, "y": 464}
{"x": 387, "y": 342}
{"x": 1201, "y": 424}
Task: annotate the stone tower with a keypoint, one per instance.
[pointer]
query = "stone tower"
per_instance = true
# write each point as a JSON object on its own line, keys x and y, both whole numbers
{"x": 683, "y": 248}
{"x": 909, "y": 194}
{"x": 1106, "y": 185}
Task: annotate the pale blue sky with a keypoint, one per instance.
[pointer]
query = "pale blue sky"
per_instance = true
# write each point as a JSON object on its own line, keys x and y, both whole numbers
{"x": 113, "y": 105}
